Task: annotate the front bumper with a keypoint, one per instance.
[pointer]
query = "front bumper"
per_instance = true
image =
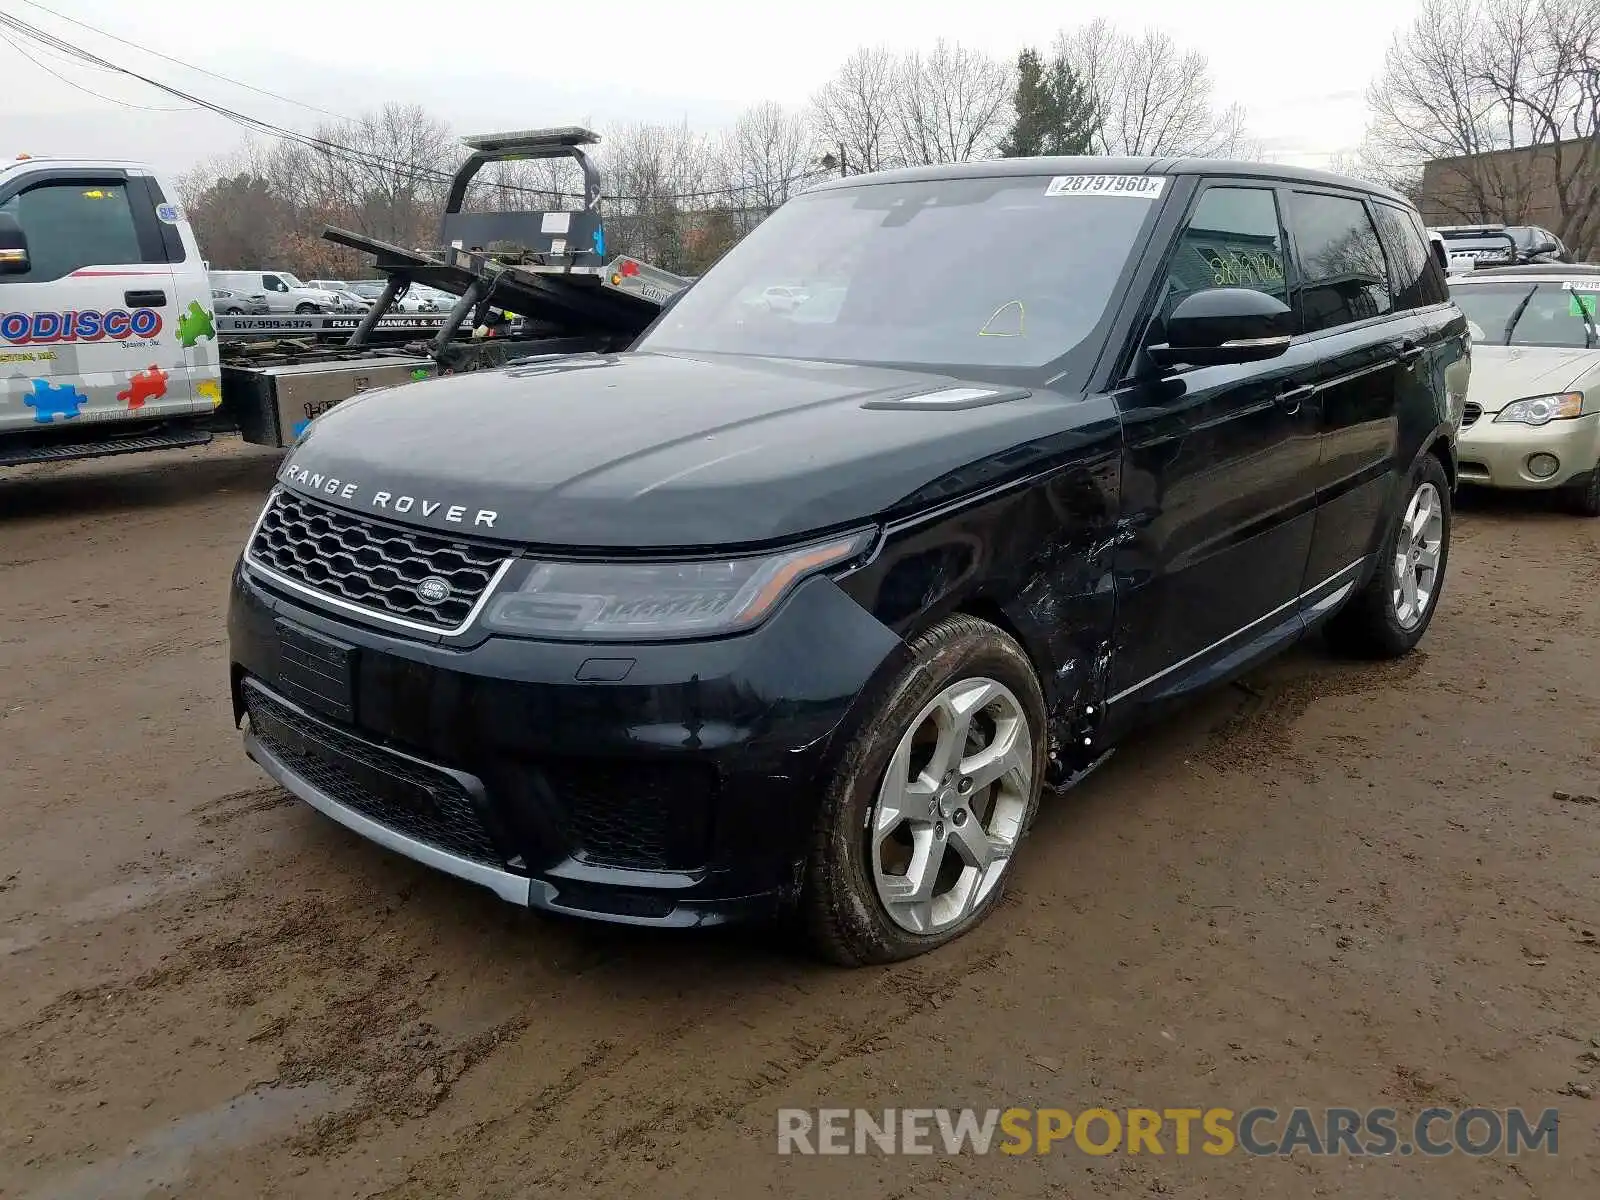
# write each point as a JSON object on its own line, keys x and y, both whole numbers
{"x": 1496, "y": 454}
{"x": 668, "y": 784}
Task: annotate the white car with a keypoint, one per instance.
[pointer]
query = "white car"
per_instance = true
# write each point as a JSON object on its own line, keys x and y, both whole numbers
{"x": 1532, "y": 415}
{"x": 284, "y": 293}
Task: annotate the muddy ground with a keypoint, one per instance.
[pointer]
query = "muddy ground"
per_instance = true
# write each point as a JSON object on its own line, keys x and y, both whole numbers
{"x": 1339, "y": 885}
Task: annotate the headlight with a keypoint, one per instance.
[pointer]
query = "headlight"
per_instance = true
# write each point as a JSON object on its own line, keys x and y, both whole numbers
{"x": 1541, "y": 410}
{"x": 648, "y": 600}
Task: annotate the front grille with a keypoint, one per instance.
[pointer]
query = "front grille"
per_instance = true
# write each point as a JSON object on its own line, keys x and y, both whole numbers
{"x": 648, "y": 816}
{"x": 376, "y": 568}
{"x": 408, "y": 796}
{"x": 1470, "y": 412}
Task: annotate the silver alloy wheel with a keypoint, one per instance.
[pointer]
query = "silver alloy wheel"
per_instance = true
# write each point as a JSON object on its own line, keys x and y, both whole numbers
{"x": 951, "y": 804}
{"x": 1417, "y": 547}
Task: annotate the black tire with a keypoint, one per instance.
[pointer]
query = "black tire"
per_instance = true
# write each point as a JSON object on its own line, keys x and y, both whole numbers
{"x": 1584, "y": 498}
{"x": 1368, "y": 625}
{"x": 230, "y": 312}
{"x": 844, "y": 919}
{"x": 306, "y": 309}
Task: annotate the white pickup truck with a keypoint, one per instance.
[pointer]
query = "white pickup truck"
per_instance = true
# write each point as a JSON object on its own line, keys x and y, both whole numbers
{"x": 106, "y": 325}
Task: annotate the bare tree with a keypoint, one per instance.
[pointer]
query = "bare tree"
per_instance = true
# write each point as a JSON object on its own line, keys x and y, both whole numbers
{"x": 854, "y": 112}
{"x": 1153, "y": 98}
{"x": 1470, "y": 78}
{"x": 659, "y": 185}
{"x": 765, "y": 158}
{"x": 952, "y": 105}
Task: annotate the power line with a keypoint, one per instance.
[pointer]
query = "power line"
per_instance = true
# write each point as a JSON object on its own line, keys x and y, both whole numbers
{"x": 322, "y": 145}
{"x": 181, "y": 63}
{"x": 46, "y": 67}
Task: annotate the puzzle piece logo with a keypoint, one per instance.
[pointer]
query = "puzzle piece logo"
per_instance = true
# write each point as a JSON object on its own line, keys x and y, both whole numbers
{"x": 207, "y": 389}
{"x": 145, "y": 385}
{"x": 51, "y": 401}
{"x": 194, "y": 324}
{"x": 299, "y": 430}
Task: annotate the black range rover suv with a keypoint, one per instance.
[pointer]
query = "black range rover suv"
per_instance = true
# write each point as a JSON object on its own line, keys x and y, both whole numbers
{"x": 931, "y": 489}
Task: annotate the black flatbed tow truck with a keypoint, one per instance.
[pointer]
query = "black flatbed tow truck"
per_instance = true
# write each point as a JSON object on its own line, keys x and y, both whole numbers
{"x": 547, "y": 267}
{"x": 278, "y": 373}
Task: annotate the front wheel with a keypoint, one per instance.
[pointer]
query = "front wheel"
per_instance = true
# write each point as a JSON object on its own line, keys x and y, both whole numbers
{"x": 1388, "y": 617}
{"x": 931, "y": 800}
{"x": 306, "y": 309}
{"x": 1584, "y": 498}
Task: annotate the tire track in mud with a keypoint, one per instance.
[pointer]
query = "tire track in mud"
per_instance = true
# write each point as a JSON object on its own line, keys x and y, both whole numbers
{"x": 1258, "y": 739}
{"x": 235, "y": 806}
{"x": 615, "y": 1101}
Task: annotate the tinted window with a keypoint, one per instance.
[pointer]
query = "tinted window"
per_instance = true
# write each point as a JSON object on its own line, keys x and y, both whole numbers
{"x": 1413, "y": 270}
{"x": 273, "y": 284}
{"x": 1529, "y": 314}
{"x": 1343, "y": 275}
{"x": 1003, "y": 273}
{"x": 74, "y": 225}
{"x": 1232, "y": 240}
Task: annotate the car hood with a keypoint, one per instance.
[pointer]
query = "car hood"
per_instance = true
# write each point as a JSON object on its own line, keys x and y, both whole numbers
{"x": 652, "y": 450}
{"x": 1501, "y": 374}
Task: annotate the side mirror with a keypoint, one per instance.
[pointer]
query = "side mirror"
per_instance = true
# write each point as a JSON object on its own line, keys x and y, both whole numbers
{"x": 1225, "y": 325}
{"x": 1546, "y": 246}
{"x": 13, "y": 246}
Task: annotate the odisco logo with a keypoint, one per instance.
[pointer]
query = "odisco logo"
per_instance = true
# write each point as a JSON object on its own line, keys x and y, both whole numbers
{"x": 90, "y": 325}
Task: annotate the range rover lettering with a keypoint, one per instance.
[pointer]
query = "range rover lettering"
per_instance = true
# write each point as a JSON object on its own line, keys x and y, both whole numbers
{"x": 795, "y": 610}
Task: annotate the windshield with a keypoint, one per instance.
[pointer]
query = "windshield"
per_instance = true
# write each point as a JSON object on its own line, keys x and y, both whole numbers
{"x": 1531, "y": 314}
{"x": 1008, "y": 273}
{"x": 290, "y": 279}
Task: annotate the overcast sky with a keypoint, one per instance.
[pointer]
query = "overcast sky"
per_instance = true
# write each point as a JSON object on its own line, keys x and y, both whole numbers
{"x": 486, "y": 67}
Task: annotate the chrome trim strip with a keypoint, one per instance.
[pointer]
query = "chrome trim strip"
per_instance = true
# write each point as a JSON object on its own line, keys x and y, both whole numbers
{"x": 517, "y": 889}
{"x": 1281, "y": 340}
{"x": 1321, "y": 607}
{"x": 283, "y": 581}
{"x": 1348, "y": 376}
{"x": 1264, "y": 617}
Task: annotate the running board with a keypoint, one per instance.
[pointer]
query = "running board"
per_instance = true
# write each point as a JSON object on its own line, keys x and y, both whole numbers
{"x": 178, "y": 440}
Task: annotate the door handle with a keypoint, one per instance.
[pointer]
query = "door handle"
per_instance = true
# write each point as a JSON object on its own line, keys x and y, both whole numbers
{"x": 155, "y": 299}
{"x": 1291, "y": 398}
{"x": 1409, "y": 352}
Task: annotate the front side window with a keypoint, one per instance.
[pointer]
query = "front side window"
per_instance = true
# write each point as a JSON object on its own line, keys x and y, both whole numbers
{"x": 1343, "y": 275}
{"x": 71, "y": 225}
{"x": 273, "y": 284}
{"x": 1531, "y": 314}
{"x": 1001, "y": 275}
{"x": 1232, "y": 240}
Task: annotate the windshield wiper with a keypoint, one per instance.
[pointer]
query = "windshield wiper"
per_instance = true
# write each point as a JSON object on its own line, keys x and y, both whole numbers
{"x": 1516, "y": 314}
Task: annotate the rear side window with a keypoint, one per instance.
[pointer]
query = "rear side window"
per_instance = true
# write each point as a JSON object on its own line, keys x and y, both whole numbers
{"x": 1232, "y": 240}
{"x": 74, "y": 224}
{"x": 1413, "y": 270}
{"x": 1343, "y": 275}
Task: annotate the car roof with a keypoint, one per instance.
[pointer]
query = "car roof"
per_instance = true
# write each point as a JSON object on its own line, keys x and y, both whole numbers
{"x": 1547, "y": 272}
{"x": 1096, "y": 164}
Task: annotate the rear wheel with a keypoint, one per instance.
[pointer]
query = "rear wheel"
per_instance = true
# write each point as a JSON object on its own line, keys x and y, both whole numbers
{"x": 1388, "y": 617}
{"x": 1584, "y": 498}
{"x": 932, "y": 798}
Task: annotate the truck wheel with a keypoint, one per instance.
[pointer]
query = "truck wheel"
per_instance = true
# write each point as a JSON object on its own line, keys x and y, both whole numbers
{"x": 1388, "y": 617}
{"x": 1584, "y": 498}
{"x": 306, "y": 309}
{"x": 930, "y": 801}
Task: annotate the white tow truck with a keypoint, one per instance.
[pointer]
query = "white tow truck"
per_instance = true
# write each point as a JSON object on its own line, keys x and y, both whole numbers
{"x": 110, "y": 341}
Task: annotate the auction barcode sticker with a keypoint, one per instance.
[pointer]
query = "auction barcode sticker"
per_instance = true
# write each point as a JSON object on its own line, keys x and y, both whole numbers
{"x": 1143, "y": 187}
